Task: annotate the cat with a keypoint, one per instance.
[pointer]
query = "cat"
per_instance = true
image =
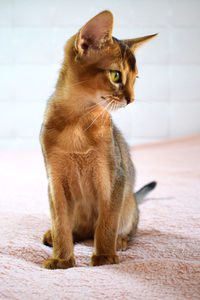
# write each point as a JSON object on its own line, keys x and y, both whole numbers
{"x": 90, "y": 172}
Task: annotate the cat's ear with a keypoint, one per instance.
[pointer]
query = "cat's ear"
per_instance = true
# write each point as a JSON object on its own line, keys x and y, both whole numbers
{"x": 135, "y": 43}
{"x": 95, "y": 34}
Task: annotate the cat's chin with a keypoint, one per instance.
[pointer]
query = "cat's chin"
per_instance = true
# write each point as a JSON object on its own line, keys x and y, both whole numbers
{"x": 112, "y": 103}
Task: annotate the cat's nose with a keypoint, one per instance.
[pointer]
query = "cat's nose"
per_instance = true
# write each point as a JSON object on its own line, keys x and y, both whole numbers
{"x": 129, "y": 99}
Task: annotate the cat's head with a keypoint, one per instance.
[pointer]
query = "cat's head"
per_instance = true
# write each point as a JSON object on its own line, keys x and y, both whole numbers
{"x": 101, "y": 66}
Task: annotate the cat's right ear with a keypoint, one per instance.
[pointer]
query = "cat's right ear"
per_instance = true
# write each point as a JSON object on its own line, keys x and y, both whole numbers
{"x": 135, "y": 43}
{"x": 95, "y": 34}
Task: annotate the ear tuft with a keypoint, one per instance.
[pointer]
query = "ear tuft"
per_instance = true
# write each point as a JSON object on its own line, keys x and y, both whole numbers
{"x": 135, "y": 43}
{"x": 95, "y": 33}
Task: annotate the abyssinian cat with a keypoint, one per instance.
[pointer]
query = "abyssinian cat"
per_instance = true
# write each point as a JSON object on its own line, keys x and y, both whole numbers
{"x": 90, "y": 172}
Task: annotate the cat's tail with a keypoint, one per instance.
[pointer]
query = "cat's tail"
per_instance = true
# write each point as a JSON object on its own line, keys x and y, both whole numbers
{"x": 140, "y": 195}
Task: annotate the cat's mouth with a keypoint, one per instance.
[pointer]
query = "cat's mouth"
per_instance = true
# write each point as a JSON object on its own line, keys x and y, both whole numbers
{"x": 112, "y": 103}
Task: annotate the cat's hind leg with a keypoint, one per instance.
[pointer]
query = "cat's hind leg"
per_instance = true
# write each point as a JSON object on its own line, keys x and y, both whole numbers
{"x": 122, "y": 243}
{"x": 47, "y": 239}
{"x": 128, "y": 222}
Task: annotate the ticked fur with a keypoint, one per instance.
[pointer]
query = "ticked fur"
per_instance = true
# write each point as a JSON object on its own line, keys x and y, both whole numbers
{"x": 90, "y": 173}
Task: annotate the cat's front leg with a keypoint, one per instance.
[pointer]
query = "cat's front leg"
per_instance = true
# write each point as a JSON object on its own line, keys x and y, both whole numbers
{"x": 61, "y": 230}
{"x": 107, "y": 227}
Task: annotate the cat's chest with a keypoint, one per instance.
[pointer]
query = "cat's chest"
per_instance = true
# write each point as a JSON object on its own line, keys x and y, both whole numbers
{"x": 80, "y": 139}
{"x": 79, "y": 171}
{"x": 72, "y": 139}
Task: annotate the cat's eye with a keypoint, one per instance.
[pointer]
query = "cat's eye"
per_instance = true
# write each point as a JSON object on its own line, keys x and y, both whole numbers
{"x": 116, "y": 76}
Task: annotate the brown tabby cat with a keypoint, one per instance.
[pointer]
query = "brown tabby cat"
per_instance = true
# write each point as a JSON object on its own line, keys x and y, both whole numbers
{"x": 90, "y": 173}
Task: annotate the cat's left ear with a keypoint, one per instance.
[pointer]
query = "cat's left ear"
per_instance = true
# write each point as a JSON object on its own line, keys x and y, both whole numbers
{"x": 135, "y": 43}
{"x": 95, "y": 34}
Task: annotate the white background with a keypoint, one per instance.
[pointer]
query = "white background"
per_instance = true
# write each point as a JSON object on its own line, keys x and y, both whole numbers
{"x": 32, "y": 36}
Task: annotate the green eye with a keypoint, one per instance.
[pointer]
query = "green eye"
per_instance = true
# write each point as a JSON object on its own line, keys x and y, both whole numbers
{"x": 115, "y": 76}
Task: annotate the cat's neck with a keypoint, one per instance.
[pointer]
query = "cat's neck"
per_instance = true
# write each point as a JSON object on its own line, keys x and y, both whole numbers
{"x": 72, "y": 105}
{"x": 79, "y": 128}
{"x": 76, "y": 109}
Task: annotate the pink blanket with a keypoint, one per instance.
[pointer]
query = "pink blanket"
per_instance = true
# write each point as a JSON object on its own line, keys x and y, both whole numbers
{"x": 162, "y": 261}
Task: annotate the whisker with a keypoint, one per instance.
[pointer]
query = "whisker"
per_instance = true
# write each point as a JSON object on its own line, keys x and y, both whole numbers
{"x": 110, "y": 104}
{"x": 103, "y": 114}
{"x": 105, "y": 119}
{"x": 96, "y": 117}
{"x": 110, "y": 109}
{"x": 113, "y": 106}
{"x": 92, "y": 108}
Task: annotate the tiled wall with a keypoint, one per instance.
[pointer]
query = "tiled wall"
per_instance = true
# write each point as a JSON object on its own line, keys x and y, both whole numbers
{"x": 32, "y": 36}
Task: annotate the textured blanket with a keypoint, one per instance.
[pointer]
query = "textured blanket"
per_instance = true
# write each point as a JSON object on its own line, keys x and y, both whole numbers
{"x": 161, "y": 262}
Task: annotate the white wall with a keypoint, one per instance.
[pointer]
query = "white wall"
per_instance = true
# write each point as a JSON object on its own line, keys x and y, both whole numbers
{"x": 32, "y": 36}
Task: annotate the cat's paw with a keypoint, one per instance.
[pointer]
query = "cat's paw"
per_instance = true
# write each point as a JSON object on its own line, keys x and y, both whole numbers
{"x": 47, "y": 239}
{"x": 58, "y": 263}
{"x": 122, "y": 243}
{"x": 99, "y": 260}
